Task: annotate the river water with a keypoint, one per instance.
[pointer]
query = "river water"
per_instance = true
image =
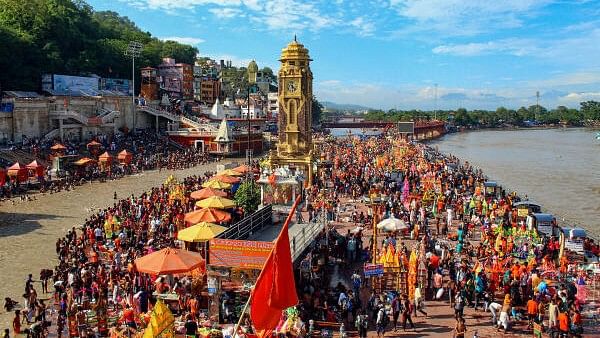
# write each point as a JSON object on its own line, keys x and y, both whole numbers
{"x": 558, "y": 168}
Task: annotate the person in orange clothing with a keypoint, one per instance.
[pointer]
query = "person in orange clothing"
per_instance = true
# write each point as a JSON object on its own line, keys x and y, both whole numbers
{"x": 532, "y": 311}
{"x": 563, "y": 323}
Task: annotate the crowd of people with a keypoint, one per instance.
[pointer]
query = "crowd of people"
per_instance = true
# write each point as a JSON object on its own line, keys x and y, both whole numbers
{"x": 149, "y": 151}
{"x": 455, "y": 243}
{"x": 96, "y": 273}
{"x": 476, "y": 249}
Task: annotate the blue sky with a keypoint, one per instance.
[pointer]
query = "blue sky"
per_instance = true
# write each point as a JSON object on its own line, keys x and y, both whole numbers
{"x": 392, "y": 53}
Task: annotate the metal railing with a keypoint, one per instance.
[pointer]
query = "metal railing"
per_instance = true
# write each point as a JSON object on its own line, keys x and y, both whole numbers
{"x": 302, "y": 240}
{"x": 249, "y": 225}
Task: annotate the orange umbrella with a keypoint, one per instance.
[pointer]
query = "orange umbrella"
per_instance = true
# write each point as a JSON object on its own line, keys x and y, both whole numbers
{"x": 226, "y": 179}
{"x": 206, "y": 193}
{"x": 207, "y": 215}
{"x": 170, "y": 261}
{"x": 244, "y": 169}
{"x": 58, "y": 147}
{"x": 84, "y": 161}
{"x": 94, "y": 144}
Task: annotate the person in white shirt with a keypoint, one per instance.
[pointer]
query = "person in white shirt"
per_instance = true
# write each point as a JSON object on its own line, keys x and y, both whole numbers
{"x": 495, "y": 309}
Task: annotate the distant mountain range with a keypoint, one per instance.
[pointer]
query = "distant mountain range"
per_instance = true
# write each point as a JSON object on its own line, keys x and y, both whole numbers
{"x": 343, "y": 106}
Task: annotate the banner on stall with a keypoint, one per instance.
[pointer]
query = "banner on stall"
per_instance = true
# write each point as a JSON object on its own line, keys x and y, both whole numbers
{"x": 239, "y": 254}
{"x": 522, "y": 212}
{"x": 373, "y": 269}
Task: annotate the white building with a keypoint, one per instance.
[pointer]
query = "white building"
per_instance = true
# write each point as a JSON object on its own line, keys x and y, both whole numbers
{"x": 273, "y": 109}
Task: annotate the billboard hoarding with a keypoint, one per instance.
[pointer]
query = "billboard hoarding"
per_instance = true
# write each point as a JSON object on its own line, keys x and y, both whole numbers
{"x": 66, "y": 83}
{"x": 119, "y": 85}
{"x": 239, "y": 254}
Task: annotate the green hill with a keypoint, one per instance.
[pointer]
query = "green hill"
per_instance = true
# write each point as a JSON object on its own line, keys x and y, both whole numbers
{"x": 69, "y": 37}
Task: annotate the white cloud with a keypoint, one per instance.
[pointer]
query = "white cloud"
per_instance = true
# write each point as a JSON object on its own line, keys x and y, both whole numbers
{"x": 465, "y": 17}
{"x": 517, "y": 47}
{"x": 184, "y": 39}
{"x": 575, "y": 98}
{"x": 225, "y": 13}
{"x": 363, "y": 26}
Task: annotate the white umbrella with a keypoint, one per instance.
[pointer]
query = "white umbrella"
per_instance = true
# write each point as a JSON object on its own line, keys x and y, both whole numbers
{"x": 392, "y": 224}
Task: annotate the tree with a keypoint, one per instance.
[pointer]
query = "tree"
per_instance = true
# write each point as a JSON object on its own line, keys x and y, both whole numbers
{"x": 316, "y": 111}
{"x": 248, "y": 197}
{"x": 68, "y": 37}
{"x": 590, "y": 110}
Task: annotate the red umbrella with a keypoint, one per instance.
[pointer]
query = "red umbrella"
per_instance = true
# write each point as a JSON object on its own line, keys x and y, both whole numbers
{"x": 169, "y": 261}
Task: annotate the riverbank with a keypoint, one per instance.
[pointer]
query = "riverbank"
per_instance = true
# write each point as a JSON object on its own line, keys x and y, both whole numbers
{"x": 29, "y": 230}
{"x": 555, "y": 167}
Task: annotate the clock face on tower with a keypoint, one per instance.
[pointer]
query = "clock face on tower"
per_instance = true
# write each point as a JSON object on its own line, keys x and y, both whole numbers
{"x": 291, "y": 86}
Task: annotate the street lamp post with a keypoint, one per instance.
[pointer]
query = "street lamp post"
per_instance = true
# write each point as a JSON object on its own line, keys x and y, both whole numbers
{"x": 134, "y": 50}
{"x": 252, "y": 71}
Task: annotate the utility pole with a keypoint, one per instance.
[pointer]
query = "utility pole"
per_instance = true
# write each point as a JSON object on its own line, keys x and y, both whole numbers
{"x": 134, "y": 49}
{"x": 435, "y": 106}
{"x": 537, "y": 104}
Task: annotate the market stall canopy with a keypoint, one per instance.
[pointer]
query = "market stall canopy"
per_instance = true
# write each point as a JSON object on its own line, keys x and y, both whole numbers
{"x": 216, "y": 185}
{"x": 105, "y": 157}
{"x": 207, "y": 215}
{"x": 392, "y": 224}
{"x": 58, "y": 147}
{"x": 125, "y": 157}
{"x": 84, "y": 161}
{"x": 200, "y": 232}
{"x": 17, "y": 170}
{"x": 230, "y": 172}
{"x": 216, "y": 202}
{"x": 206, "y": 193}
{"x": 226, "y": 179}
{"x": 170, "y": 261}
{"x": 36, "y": 167}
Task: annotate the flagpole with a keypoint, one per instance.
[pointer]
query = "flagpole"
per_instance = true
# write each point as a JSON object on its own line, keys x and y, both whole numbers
{"x": 287, "y": 221}
{"x": 237, "y": 326}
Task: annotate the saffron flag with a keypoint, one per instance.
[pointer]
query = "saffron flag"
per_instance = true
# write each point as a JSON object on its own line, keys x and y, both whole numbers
{"x": 161, "y": 322}
{"x": 275, "y": 288}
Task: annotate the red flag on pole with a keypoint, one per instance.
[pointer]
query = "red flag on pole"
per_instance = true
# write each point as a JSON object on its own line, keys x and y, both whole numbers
{"x": 275, "y": 288}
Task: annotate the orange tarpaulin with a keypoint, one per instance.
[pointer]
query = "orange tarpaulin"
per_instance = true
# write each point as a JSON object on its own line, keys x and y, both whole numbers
{"x": 226, "y": 179}
{"x": 170, "y": 261}
{"x": 37, "y": 168}
{"x": 206, "y": 193}
{"x": 125, "y": 157}
{"x": 18, "y": 171}
{"x": 207, "y": 215}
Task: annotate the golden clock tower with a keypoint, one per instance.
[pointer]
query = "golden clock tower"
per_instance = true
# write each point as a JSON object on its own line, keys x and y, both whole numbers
{"x": 295, "y": 147}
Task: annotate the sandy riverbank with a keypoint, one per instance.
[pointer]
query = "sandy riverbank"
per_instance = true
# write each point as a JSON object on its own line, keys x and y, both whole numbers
{"x": 29, "y": 230}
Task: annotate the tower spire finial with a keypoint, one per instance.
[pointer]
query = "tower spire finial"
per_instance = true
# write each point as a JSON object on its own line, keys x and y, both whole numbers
{"x": 295, "y": 38}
